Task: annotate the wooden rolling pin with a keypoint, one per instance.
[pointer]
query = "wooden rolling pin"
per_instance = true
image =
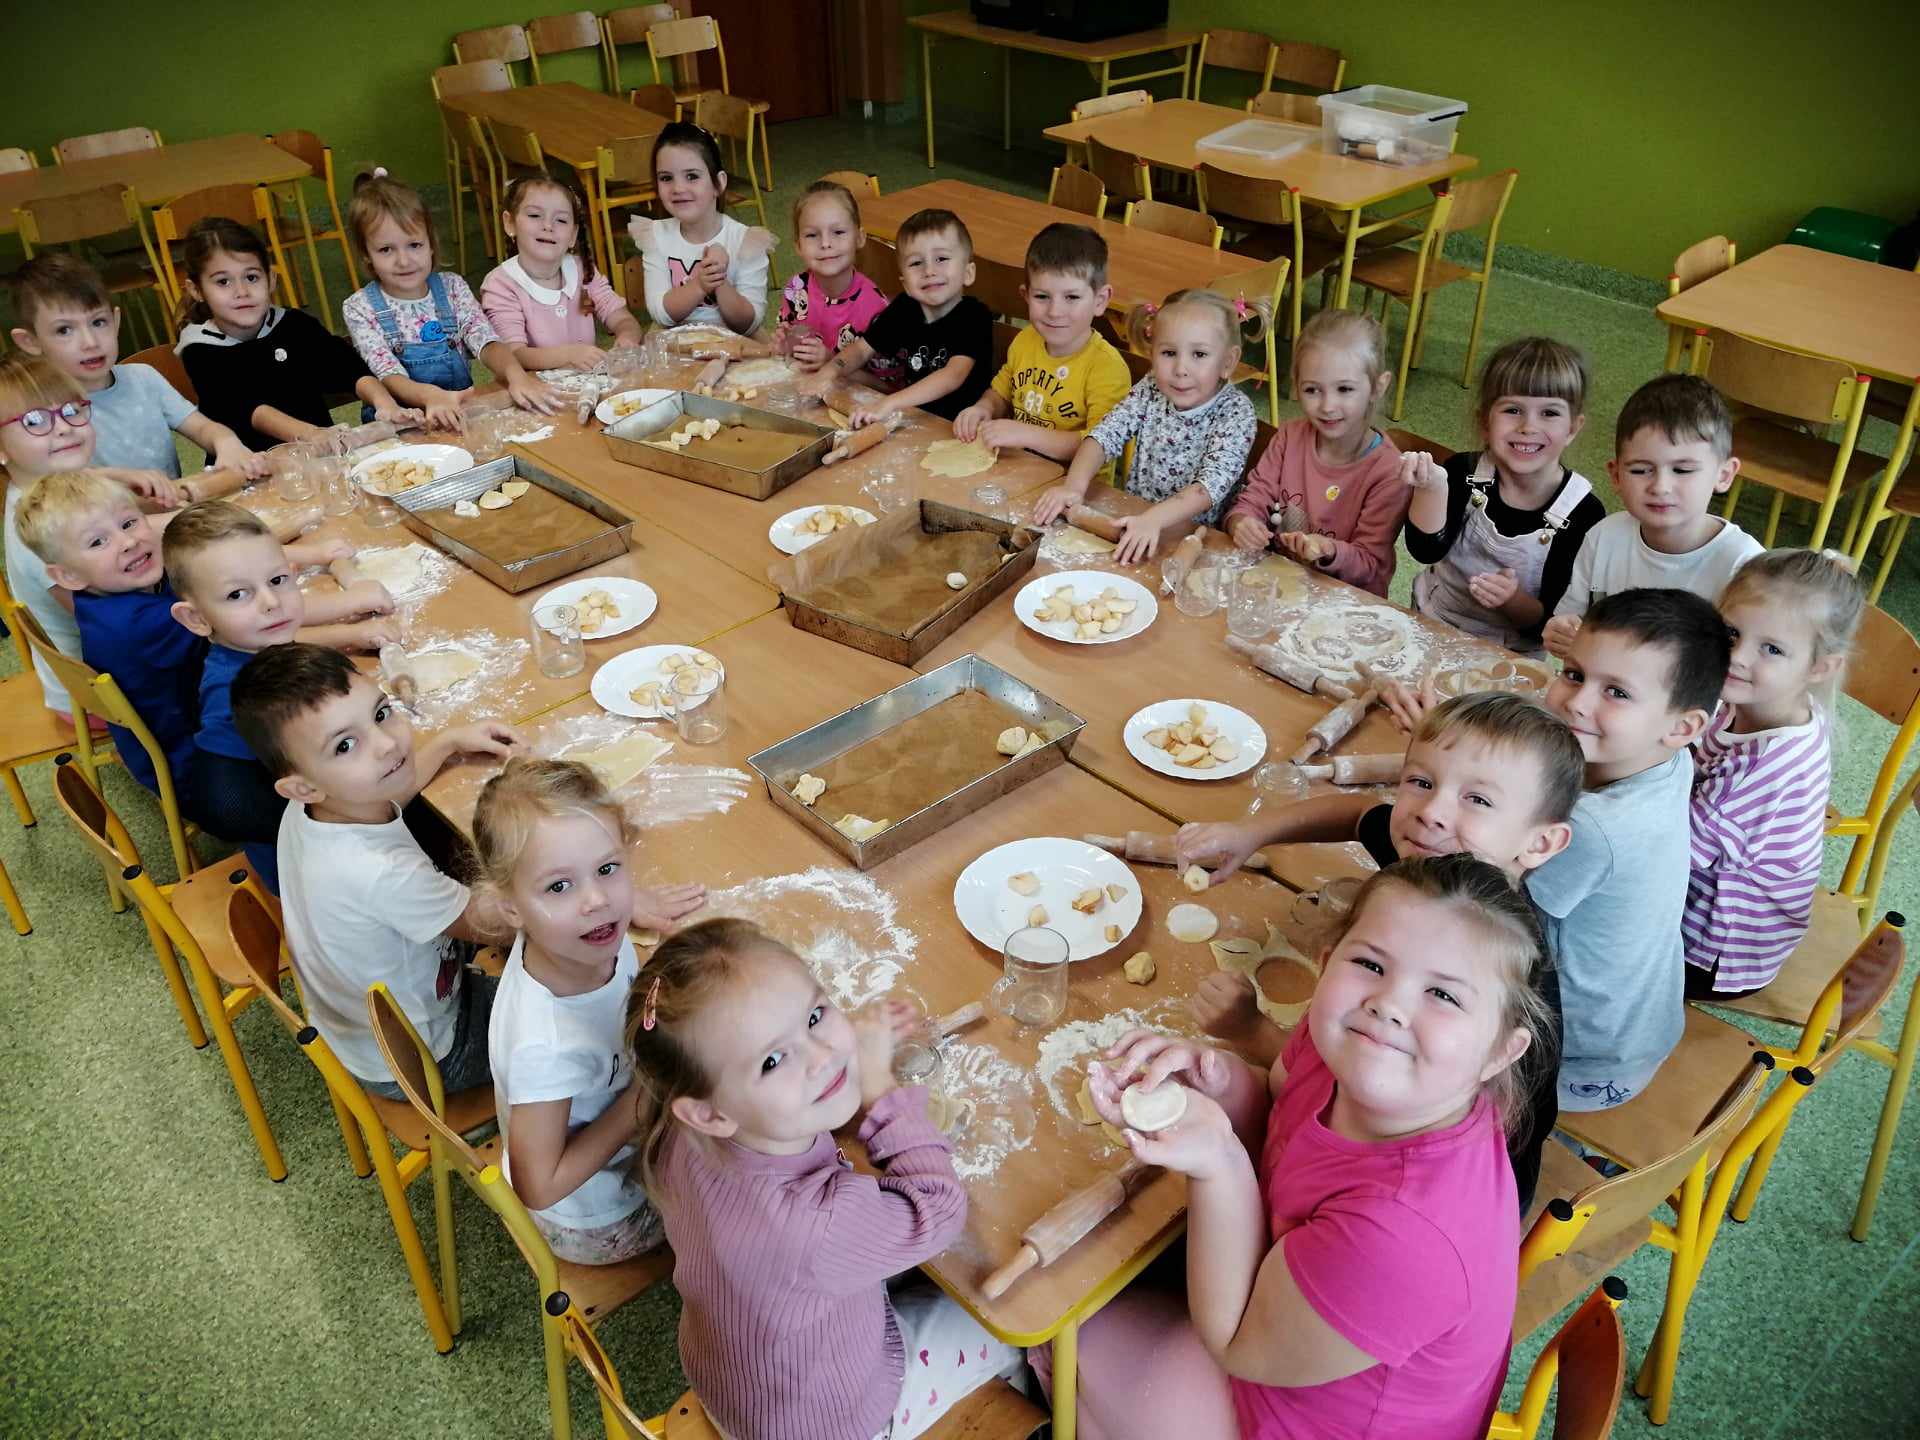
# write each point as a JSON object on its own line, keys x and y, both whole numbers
{"x": 1067, "y": 1223}
{"x": 1357, "y": 769}
{"x": 1085, "y": 517}
{"x": 709, "y": 375}
{"x": 857, "y": 442}
{"x": 1335, "y": 726}
{"x": 738, "y": 347}
{"x": 1142, "y": 847}
{"x": 954, "y": 1020}
{"x": 1300, "y": 674}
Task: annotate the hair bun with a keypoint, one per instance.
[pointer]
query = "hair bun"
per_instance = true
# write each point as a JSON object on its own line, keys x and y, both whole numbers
{"x": 379, "y": 172}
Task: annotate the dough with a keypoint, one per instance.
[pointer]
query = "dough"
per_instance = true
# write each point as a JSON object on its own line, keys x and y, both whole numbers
{"x": 1037, "y": 916}
{"x": 1245, "y": 957}
{"x": 596, "y": 609}
{"x": 1088, "y": 901}
{"x": 466, "y": 509}
{"x": 956, "y": 459}
{"x": 1011, "y": 739}
{"x": 1521, "y": 676}
{"x": 1113, "y": 933}
{"x": 495, "y": 500}
{"x": 1091, "y": 1116}
{"x": 1078, "y": 542}
{"x": 949, "y": 1112}
{"x": 1191, "y": 923}
{"x": 514, "y": 489}
{"x": 400, "y": 569}
{"x": 1195, "y": 880}
{"x": 442, "y": 669}
{"x": 1025, "y": 883}
{"x": 1033, "y": 743}
{"x": 1338, "y": 638}
{"x": 1290, "y": 580}
{"x": 1139, "y": 968}
{"x": 858, "y": 827}
{"x": 1116, "y": 893}
{"x": 956, "y": 580}
{"x": 1155, "y": 1109}
{"x": 755, "y": 373}
{"x": 808, "y": 789}
{"x": 621, "y": 761}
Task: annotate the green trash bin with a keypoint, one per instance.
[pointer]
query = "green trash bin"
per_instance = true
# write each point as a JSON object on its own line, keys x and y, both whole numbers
{"x": 1843, "y": 232}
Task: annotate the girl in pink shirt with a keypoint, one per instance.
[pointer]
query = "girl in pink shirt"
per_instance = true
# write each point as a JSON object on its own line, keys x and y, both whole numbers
{"x": 782, "y": 1250}
{"x": 544, "y": 299}
{"x": 1352, "y": 1242}
{"x": 1328, "y": 491}
{"x": 831, "y": 301}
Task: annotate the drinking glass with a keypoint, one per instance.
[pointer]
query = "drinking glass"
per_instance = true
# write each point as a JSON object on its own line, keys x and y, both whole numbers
{"x": 1033, "y": 991}
{"x": 886, "y": 492}
{"x": 1250, "y": 602}
{"x": 291, "y": 480}
{"x": 1199, "y": 592}
{"x": 701, "y": 718}
{"x": 557, "y": 646}
{"x": 990, "y": 500}
{"x": 338, "y": 495}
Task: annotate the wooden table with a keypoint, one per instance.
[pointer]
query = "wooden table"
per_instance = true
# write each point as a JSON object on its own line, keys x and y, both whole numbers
{"x": 1814, "y": 302}
{"x": 1142, "y": 266}
{"x": 1097, "y": 55}
{"x": 572, "y": 121}
{"x": 157, "y": 177}
{"x": 1167, "y": 134}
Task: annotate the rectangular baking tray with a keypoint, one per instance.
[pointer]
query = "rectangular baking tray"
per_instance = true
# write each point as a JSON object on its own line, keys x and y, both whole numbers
{"x": 444, "y": 492}
{"x": 782, "y": 764}
{"x": 626, "y": 442}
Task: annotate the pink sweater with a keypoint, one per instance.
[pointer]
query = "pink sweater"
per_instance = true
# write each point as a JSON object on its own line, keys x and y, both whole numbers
{"x": 1360, "y": 506}
{"x": 781, "y": 1263}
{"x": 525, "y": 312}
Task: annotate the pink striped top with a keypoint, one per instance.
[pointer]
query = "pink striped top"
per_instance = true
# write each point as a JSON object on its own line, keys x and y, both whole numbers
{"x": 781, "y": 1263}
{"x": 1759, "y": 816}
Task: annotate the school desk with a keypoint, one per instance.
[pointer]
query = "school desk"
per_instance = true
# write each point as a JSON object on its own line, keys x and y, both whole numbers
{"x": 158, "y": 177}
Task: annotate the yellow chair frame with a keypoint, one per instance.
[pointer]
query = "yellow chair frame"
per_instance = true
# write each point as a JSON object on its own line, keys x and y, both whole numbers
{"x": 172, "y": 221}
{"x": 732, "y": 118}
{"x": 449, "y": 81}
{"x": 628, "y": 25}
{"x": 563, "y": 34}
{"x": 1245, "y": 50}
{"x": 1271, "y": 206}
{"x": 1432, "y": 234}
{"x": 619, "y": 164}
{"x": 679, "y": 40}
{"x": 1194, "y": 226}
{"x": 307, "y": 146}
{"x": 1300, "y": 62}
{"x": 1125, "y": 176}
{"x": 43, "y": 734}
{"x": 39, "y": 224}
{"x": 1268, "y": 283}
{"x": 859, "y": 183}
{"x": 1587, "y": 1358}
{"x": 1889, "y": 503}
{"x": 1285, "y": 105}
{"x": 1700, "y": 261}
{"x": 505, "y": 43}
{"x": 1074, "y": 187}
{"x": 15, "y": 158}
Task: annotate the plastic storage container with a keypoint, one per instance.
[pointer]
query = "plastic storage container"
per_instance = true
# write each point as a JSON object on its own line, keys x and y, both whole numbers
{"x": 1395, "y": 127}
{"x": 1269, "y": 141}
{"x": 1843, "y": 232}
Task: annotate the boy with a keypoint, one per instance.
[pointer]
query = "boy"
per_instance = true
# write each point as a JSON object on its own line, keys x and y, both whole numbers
{"x": 62, "y": 313}
{"x": 235, "y": 587}
{"x": 362, "y": 900}
{"x": 1060, "y": 378}
{"x": 1673, "y": 447}
{"x": 933, "y": 344}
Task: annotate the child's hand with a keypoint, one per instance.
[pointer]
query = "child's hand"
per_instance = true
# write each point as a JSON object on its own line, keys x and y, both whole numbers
{"x": 966, "y": 425}
{"x": 1201, "y": 1144}
{"x": 232, "y": 455}
{"x": 1055, "y": 502}
{"x": 1409, "y": 707}
{"x": 662, "y": 907}
{"x": 1139, "y": 537}
{"x": 1000, "y": 435}
{"x": 1224, "y": 1006}
{"x": 1307, "y": 549}
{"x": 401, "y": 417}
{"x": 1153, "y": 1057}
{"x": 489, "y": 737}
{"x": 1418, "y": 471}
{"x": 328, "y": 551}
{"x": 1494, "y": 588}
{"x": 530, "y": 392}
{"x": 369, "y": 597}
{"x": 1248, "y": 533}
{"x": 445, "y": 415}
{"x": 711, "y": 268}
{"x": 809, "y": 351}
{"x": 370, "y": 637}
{"x": 1220, "y": 846}
{"x": 582, "y": 357}
{"x": 871, "y": 412}
{"x": 156, "y": 489}
{"x": 1558, "y": 635}
{"x": 876, "y": 1030}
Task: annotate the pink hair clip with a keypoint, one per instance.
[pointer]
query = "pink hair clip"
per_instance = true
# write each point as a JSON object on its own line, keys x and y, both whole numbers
{"x": 1150, "y": 309}
{"x": 1240, "y": 306}
{"x": 649, "y": 1016}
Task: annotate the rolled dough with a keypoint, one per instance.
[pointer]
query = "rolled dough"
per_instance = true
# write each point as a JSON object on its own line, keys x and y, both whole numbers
{"x": 443, "y": 669}
{"x": 1245, "y": 957}
{"x": 949, "y": 1112}
{"x": 1070, "y": 541}
{"x": 399, "y": 569}
{"x": 956, "y": 459}
{"x": 1155, "y": 1109}
{"x": 621, "y": 761}
{"x": 755, "y": 373}
{"x": 1191, "y": 923}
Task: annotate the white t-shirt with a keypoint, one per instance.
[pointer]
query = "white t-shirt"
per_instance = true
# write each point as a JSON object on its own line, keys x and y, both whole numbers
{"x": 32, "y": 586}
{"x": 363, "y": 903}
{"x": 669, "y": 258}
{"x": 543, "y": 1046}
{"x": 1615, "y": 558}
{"x": 134, "y": 419}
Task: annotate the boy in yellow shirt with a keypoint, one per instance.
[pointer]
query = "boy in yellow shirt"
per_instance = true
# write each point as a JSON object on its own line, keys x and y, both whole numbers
{"x": 1060, "y": 378}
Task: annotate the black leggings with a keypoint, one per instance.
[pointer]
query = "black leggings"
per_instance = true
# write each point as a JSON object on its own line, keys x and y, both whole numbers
{"x": 1700, "y": 985}
{"x": 235, "y": 800}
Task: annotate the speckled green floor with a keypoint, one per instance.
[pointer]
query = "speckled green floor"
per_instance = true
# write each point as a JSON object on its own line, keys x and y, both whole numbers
{"x": 156, "y": 1284}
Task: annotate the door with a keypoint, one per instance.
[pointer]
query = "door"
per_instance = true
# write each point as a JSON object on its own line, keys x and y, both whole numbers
{"x": 781, "y": 53}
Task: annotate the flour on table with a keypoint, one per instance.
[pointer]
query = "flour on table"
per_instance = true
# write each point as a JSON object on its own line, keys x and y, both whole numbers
{"x": 1337, "y": 635}
{"x": 407, "y": 571}
{"x": 985, "y": 1104}
{"x": 841, "y": 922}
{"x": 956, "y": 459}
{"x": 1066, "y": 1049}
{"x": 754, "y": 373}
{"x": 437, "y": 670}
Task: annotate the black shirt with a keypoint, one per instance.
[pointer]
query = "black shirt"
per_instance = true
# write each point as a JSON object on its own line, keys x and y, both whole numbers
{"x": 294, "y": 364}
{"x": 907, "y": 349}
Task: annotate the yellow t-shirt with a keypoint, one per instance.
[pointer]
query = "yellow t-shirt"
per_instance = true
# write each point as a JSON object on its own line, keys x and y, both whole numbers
{"x": 1073, "y": 393}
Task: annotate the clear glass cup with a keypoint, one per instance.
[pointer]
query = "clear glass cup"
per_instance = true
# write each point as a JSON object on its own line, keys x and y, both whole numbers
{"x": 886, "y": 492}
{"x": 1033, "y": 989}
{"x": 292, "y": 481}
{"x": 380, "y": 512}
{"x": 557, "y": 646}
{"x": 1199, "y": 592}
{"x": 700, "y": 717}
{"x": 338, "y": 495}
{"x": 1250, "y": 603}
{"x": 990, "y": 500}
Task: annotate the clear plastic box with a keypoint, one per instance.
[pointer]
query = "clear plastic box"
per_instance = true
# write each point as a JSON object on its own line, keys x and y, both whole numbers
{"x": 1389, "y": 125}
{"x": 1266, "y": 140}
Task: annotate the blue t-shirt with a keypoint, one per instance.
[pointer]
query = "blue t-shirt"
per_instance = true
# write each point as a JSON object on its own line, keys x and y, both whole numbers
{"x": 134, "y": 419}
{"x": 155, "y": 660}
{"x": 217, "y": 735}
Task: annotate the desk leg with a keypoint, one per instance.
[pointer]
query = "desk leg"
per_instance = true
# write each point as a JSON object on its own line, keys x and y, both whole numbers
{"x": 926, "y": 87}
{"x": 1006, "y": 99}
{"x": 1106, "y": 87}
{"x": 1186, "y": 74}
{"x": 1066, "y": 1375}
{"x": 1346, "y": 258}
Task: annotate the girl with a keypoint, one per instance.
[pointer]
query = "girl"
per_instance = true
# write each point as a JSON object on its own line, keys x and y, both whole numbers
{"x": 264, "y": 371}
{"x": 830, "y": 302}
{"x": 1328, "y": 490}
{"x": 1763, "y": 767}
{"x": 1384, "y": 1305}
{"x": 781, "y": 1249}
{"x": 1498, "y": 529}
{"x": 1193, "y": 430}
{"x": 703, "y": 267}
{"x": 411, "y": 321}
{"x": 543, "y": 301}
{"x": 553, "y": 849}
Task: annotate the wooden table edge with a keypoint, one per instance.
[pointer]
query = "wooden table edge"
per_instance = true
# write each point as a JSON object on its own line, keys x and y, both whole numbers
{"x": 961, "y": 25}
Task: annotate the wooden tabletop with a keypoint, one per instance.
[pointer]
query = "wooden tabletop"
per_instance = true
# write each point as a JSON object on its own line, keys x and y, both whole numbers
{"x": 157, "y": 176}
{"x": 1167, "y": 132}
{"x": 1817, "y": 303}
{"x": 1142, "y": 266}
{"x": 960, "y": 25}
{"x": 572, "y": 121}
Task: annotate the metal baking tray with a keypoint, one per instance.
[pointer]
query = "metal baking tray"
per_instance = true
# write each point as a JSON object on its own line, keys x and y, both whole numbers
{"x": 782, "y": 764}
{"x": 441, "y": 494}
{"x": 626, "y": 437}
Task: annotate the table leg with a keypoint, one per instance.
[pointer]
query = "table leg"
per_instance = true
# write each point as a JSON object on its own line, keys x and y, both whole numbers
{"x": 1346, "y": 258}
{"x": 1186, "y": 74}
{"x": 1106, "y": 87}
{"x": 1066, "y": 1374}
{"x": 926, "y": 87}
{"x": 1006, "y": 99}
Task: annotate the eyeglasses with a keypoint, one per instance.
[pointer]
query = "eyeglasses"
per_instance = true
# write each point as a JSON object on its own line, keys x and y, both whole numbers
{"x": 39, "y": 421}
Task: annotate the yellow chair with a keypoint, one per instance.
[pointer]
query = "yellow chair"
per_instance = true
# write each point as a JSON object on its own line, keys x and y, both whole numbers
{"x": 1476, "y": 204}
{"x": 1286, "y": 105}
{"x": 1264, "y": 284}
{"x": 462, "y": 135}
{"x": 1700, "y": 261}
{"x": 307, "y": 146}
{"x": 505, "y": 43}
{"x": 100, "y": 213}
{"x": 1266, "y": 217}
{"x": 1432, "y": 235}
{"x": 1894, "y": 498}
{"x": 622, "y": 177}
{"x": 1125, "y": 176}
{"x": 366, "y": 1121}
{"x": 628, "y": 26}
{"x": 682, "y": 41}
{"x": 186, "y": 919}
{"x": 1111, "y": 104}
{"x": 249, "y": 205}
{"x": 106, "y": 142}
{"x": 14, "y": 159}
{"x": 1312, "y": 67}
{"x": 1587, "y": 1361}
{"x": 562, "y": 34}
{"x": 29, "y": 732}
{"x": 655, "y": 100}
{"x": 1194, "y": 226}
{"x": 597, "y": 1290}
{"x": 1233, "y": 50}
{"x": 859, "y": 183}
{"x": 1074, "y": 187}
{"x": 735, "y": 119}
{"x": 514, "y": 151}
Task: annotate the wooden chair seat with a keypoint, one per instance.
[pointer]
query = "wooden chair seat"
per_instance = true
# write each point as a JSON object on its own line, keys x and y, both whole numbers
{"x": 1393, "y": 272}
{"x": 201, "y": 899}
{"x": 1670, "y": 1111}
{"x": 27, "y": 728}
{"x": 466, "y": 1110}
{"x": 993, "y": 1412}
{"x": 1551, "y": 1288}
{"x": 1271, "y": 242}
{"x": 601, "y": 1289}
{"x": 1793, "y": 460}
{"x": 1406, "y": 440}
{"x": 691, "y": 97}
{"x": 1904, "y": 498}
{"x": 1830, "y": 938}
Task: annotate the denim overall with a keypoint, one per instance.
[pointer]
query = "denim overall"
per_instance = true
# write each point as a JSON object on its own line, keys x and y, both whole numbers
{"x": 433, "y": 359}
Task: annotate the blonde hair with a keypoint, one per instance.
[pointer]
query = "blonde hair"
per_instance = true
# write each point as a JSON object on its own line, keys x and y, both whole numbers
{"x": 1817, "y": 583}
{"x": 1512, "y": 941}
{"x": 686, "y": 974}
{"x": 827, "y": 189}
{"x": 527, "y": 792}
{"x": 54, "y": 503}
{"x": 378, "y": 196}
{"x": 198, "y": 528}
{"x": 1516, "y": 724}
{"x": 30, "y": 382}
{"x": 1226, "y": 313}
{"x": 1345, "y": 330}
{"x": 1537, "y": 368}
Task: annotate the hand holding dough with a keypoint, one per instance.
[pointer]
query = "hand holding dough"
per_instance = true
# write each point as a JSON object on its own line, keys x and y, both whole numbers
{"x": 1156, "y": 1109}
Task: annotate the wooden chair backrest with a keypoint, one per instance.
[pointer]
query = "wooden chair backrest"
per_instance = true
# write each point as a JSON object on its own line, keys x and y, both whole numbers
{"x": 1235, "y": 50}
{"x": 1865, "y": 980}
{"x": 228, "y": 202}
{"x": 1003, "y": 334}
{"x": 1885, "y": 675}
{"x": 1286, "y": 105}
{"x": 1194, "y": 226}
{"x": 1318, "y": 67}
{"x": 1593, "y": 1369}
{"x": 724, "y": 114}
{"x": 166, "y": 360}
{"x": 13, "y": 158}
{"x": 83, "y": 215}
{"x": 1407, "y": 442}
{"x": 305, "y": 146}
{"x": 1702, "y": 261}
{"x": 1244, "y": 197}
{"x": 656, "y": 100}
{"x": 997, "y": 286}
{"x": 415, "y": 1072}
{"x": 627, "y": 160}
{"x": 98, "y": 827}
{"x": 492, "y": 42}
{"x": 1077, "y": 188}
{"x": 1108, "y": 104}
{"x": 1479, "y": 202}
{"x": 629, "y": 24}
{"x": 859, "y": 183}
{"x": 1121, "y": 172}
{"x": 475, "y": 77}
{"x": 689, "y": 36}
{"x": 1765, "y": 377}
{"x": 106, "y": 142}
{"x": 256, "y": 939}
{"x": 557, "y": 34}
{"x": 618, "y": 1417}
{"x": 517, "y": 144}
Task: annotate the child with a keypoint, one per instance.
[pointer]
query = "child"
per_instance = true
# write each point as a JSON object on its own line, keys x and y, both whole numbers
{"x": 543, "y": 300}
{"x": 1193, "y": 429}
{"x": 1673, "y": 448}
{"x": 1328, "y": 490}
{"x": 1060, "y": 379}
{"x": 362, "y": 900}
{"x": 553, "y": 848}
{"x": 781, "y": 1249}
{"x": 235, "y": 587}
{"x": 61, "y": 311}
{"x": 1499, "y": 529}
{"x": 830, "y": 302}
{"x": 933, "y": 344}
{"x": 702, "y": 266}
{"x": 1352, "y": 1246}
{"x": 1763, "y": 769}
{"x": 411, "y": 322}
{"x": 264, "y": 371}
{"x": 1642, "y": 675}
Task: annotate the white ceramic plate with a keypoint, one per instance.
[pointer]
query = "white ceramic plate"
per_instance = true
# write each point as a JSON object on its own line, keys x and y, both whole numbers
{"x": 445, "y": 460}
{"x": 789, "y": 539}
{"x": 1234, "y": 725}
{"x": 1065, "y": 869}
{"x": 615, "y": 681}
{"x": 1086, "y": 584}
{"x": 637, "y": 602}
{"x": 606, "y": 414}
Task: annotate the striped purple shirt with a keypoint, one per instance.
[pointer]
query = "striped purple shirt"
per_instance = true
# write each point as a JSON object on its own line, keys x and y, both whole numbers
{"x": 1759, "y": 817}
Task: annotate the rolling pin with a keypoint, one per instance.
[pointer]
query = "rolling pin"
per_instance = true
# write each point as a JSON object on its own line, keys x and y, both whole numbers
{"x": 709, "y": 375}
{"x": 737, "y": 348}
{"x": 1357, "y": 769}
{"x": 1085, "y": 517}
{"x": 1067, "y": 1223}
{"x": 1142, "y": 847}
{"x": 960, "y": 1019}
{"x": 1298, "y": 673}
{"x": 1173, "y": 570}
{"x": 1335, "y": 726}
{"x": 857, "y": 442}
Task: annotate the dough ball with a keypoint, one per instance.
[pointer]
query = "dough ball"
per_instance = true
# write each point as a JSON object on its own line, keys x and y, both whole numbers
{"x": 494, "y": 500}
{"x": 706, "y": 661}
{"x": 1158, "y": 738}
{"x": 1110, "y": 625}
{"x": 1087, "y": 630}
{"x": 1139, "y": 968}
{"x": 466, "y": 509}
{"x": 1195, "y": 879}
{"x": 514, "y": 489}
{"x": 1034, "y": 742}
{"x": 1191, "y": 923}
{"x": 1155, "y": 1109}
{"x": 1025, "y": 883}
{"x": 808, "y": 789}
{"x": 1011, "y": 739}
{"x": 858, "y": 827}
{"x": 1088, "y": 901}
{"x": 956, "y": 580}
